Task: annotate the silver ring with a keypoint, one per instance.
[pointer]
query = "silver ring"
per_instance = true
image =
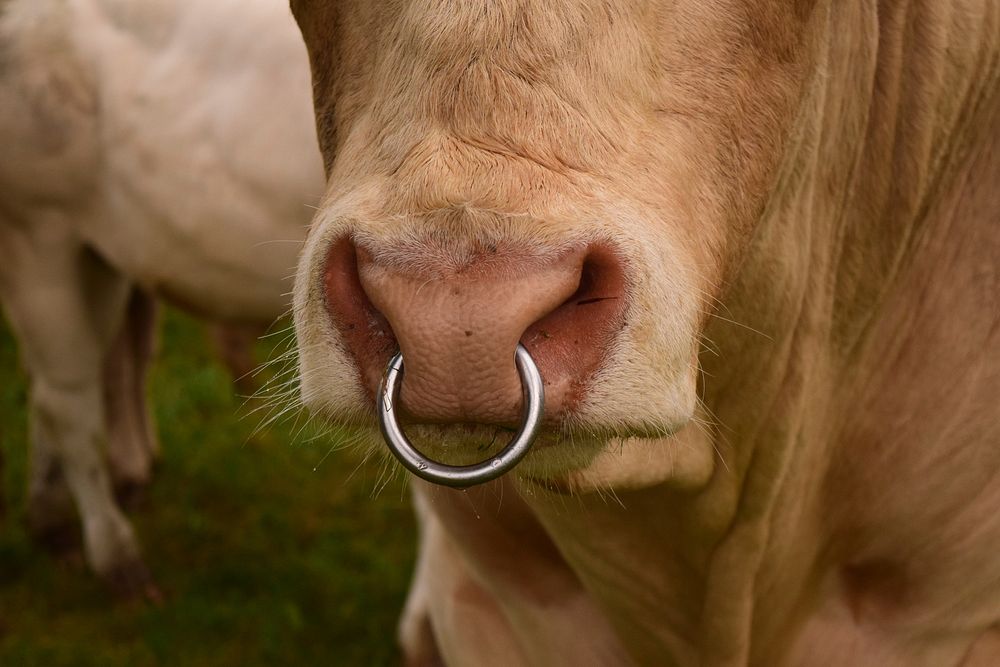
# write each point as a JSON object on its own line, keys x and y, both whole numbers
{"x": 468, "y": 475}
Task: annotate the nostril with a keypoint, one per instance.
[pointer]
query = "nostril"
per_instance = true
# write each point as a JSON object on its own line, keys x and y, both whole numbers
{"x": 459, "y": 322}
{"x": 365, "y": 331}
{"x": 601, "y": 279}
{"x": 570, "y": 343}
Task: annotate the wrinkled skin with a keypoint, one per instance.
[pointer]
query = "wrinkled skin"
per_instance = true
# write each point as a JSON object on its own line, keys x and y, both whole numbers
{"x": 151, "y": 149}
{"x": 787, "y": 452}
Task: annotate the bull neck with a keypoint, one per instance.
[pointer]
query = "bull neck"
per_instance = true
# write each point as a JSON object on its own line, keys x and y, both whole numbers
{"x": 901, "y": 92}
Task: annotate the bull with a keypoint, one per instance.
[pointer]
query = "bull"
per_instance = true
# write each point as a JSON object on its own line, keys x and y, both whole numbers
{"x": 751, "y": 249}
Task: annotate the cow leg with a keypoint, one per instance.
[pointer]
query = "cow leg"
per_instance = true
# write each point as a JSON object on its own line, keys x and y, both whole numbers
{"x": 3, "y": 495}
{"x": 51, "y": 513}
{"x": 234, "y": 344}
{"x": 132, "y": 441}
{"x": 65, "y": 306}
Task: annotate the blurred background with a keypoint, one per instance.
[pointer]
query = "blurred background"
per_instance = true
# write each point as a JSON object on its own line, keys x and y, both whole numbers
{"x": 268, "y": 547}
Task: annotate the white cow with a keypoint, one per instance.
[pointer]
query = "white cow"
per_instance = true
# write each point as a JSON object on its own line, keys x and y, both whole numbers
{"x": 148, "y": 147}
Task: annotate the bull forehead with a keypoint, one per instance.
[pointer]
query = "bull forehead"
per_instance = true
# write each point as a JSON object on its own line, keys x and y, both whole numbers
{"x": 521, "y": 32}
{"x": 677, "y": 108}
{"x": 536, "y": 34}
{"x": 508, "y": 79}
{"x": 563, "y": 83}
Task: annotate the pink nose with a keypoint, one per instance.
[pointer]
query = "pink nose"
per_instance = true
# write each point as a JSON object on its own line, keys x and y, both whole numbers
{"x": 458, "y": 327}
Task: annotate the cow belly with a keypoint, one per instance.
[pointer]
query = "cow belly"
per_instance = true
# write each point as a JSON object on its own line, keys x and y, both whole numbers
{"x": 209, "y": 270}
{"x": 196, "y": 230}
{"x": 209, "y": 164}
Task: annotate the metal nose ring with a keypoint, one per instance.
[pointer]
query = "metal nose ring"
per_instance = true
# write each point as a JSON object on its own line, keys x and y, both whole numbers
{"x": 467, "y": 475}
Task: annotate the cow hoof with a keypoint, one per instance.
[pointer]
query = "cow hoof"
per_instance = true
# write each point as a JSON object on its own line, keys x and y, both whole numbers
{"x": 60, "y": 536}
{"x": 132, "y": 581}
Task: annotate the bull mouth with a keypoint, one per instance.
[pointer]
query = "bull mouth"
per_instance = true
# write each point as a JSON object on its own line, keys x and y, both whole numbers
{"x": 577, "y": 436}
{"x": 559, "y": 459}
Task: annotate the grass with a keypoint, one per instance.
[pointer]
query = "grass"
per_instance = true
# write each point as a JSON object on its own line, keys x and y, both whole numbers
{"x": 263, "y": 560}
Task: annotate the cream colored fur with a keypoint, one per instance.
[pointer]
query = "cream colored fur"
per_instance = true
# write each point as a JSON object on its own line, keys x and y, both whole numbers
{"x": 164, "y": 146}
{"x": 805, "y": 194}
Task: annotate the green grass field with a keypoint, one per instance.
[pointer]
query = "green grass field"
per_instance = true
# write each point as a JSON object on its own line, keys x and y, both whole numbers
{"x": 269, "y": 551}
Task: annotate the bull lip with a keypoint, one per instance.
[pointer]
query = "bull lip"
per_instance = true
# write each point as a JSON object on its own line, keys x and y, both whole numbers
{"x": 547, "y": 437}
{"x": 553, "y": 432}
{"x": 561, "y": 486}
